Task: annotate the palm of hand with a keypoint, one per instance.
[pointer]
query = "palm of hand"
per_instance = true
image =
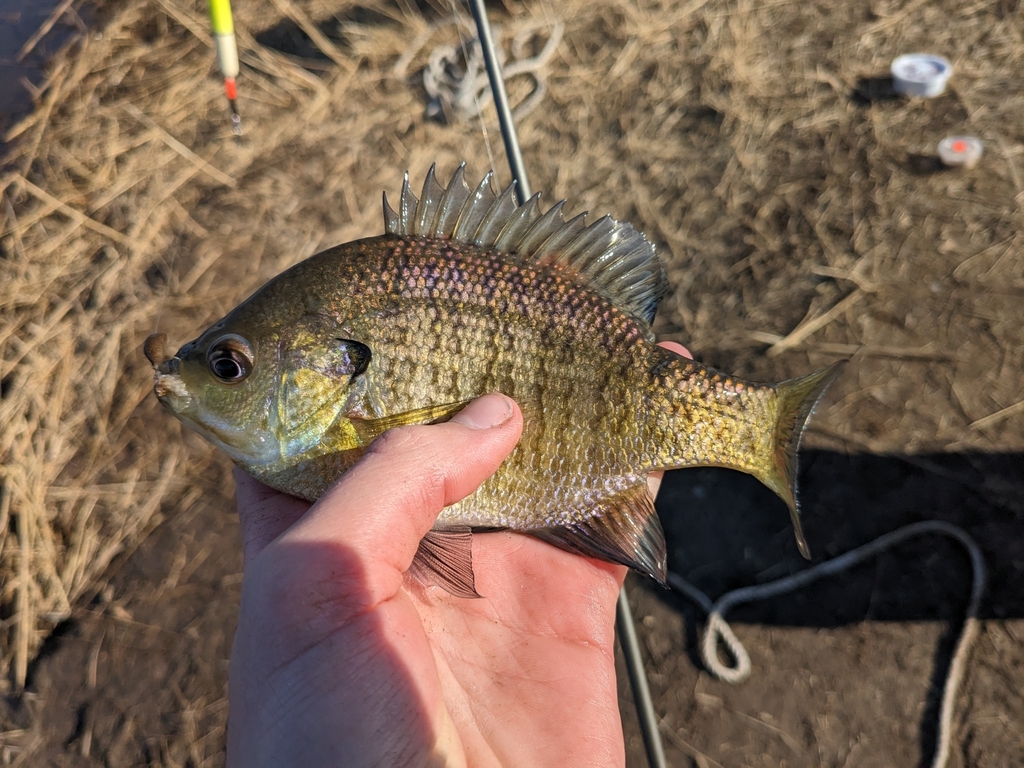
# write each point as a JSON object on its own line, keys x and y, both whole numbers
{"x": 534, "y": 657}
{"x": 523, "y": 676}
{"x": 340, "y": 658}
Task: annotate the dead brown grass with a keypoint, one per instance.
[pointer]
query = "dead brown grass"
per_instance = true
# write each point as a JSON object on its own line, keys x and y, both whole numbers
{"x": 791, "y": 217}
{"x": 127, "y": 205}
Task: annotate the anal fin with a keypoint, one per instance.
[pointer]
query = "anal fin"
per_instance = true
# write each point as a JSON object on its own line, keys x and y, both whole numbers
{"x": 623, "y": 529}
{"x": 445, "y": 559}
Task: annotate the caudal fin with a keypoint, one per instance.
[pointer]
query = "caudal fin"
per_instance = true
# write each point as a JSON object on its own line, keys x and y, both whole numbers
{"x": 796, "y": 399}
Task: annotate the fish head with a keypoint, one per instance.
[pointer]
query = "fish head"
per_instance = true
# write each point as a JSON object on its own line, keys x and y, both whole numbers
{"x": 267, "y": 399}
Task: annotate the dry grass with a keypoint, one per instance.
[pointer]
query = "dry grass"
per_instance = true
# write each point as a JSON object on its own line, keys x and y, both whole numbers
{"x": 791, "y": 218}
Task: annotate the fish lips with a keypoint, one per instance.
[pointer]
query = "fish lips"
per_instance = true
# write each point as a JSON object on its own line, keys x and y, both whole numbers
{"x": 167, "y": 384}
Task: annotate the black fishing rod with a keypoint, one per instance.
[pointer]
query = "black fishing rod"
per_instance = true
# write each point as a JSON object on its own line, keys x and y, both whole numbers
{"x": 625, "y": 627}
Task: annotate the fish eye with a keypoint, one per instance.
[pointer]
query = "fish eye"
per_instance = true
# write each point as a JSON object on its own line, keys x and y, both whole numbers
{"x": 230, "y": 359}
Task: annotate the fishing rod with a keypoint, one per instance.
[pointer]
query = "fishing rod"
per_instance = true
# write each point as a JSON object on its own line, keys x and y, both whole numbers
{"x": 227, "y": 56}
{"x": 625, "y": 626}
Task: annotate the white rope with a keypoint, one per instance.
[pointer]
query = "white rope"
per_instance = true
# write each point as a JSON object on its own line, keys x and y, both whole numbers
{"x": 455, "y": 78}
{"x": 718, "y": 630}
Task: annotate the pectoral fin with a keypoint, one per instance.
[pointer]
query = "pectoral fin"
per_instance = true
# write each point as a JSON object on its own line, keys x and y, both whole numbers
{"x": 623, "y": 529}
{"x": 445, "y": 559}
{"x": 368, "y": 429}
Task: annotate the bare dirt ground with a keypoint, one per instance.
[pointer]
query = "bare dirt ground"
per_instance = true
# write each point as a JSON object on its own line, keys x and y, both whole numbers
{"x": 802, "y": 217}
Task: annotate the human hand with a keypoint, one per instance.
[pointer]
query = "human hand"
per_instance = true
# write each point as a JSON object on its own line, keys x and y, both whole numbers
{"x": 342, "y": 659}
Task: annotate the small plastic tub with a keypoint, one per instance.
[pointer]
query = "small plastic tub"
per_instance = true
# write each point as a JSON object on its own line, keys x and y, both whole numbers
{"x": 960, "y": 151}
{"x": 920, "y": 74}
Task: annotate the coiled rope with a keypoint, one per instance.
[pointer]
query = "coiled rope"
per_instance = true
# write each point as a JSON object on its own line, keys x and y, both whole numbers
{"x": 456, "y": 79}
{"x": 718, "y": 631}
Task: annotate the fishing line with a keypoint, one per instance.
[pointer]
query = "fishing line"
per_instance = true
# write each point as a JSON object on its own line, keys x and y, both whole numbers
{"x": 508, "y": 126}
{"x": 717, "y": 631}
{"x": 476, "y": 96}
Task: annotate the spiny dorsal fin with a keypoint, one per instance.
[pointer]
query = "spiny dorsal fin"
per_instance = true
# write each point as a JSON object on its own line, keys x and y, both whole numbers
{"x": 608, "y": 256}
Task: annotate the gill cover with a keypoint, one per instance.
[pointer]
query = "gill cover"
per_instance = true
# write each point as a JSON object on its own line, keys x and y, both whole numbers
{"x": 314, "y": 386}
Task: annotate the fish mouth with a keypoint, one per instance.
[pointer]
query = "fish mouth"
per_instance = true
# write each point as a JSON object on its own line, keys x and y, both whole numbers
{"x": 167, "y": 384}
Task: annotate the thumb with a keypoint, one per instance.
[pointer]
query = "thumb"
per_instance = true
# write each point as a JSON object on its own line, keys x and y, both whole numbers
{"x": 383, "y": 506}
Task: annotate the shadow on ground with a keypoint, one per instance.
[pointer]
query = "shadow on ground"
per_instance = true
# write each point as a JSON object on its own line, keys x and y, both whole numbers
{"x": 849, "y": 500}
{"x": 875, "y": 639}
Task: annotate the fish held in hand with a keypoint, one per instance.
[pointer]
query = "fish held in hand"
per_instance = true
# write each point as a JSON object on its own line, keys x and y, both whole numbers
{"x": 468, "y": 293}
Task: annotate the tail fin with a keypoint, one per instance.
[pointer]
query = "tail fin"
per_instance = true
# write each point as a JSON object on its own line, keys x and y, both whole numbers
{"x": 796, "y": 399}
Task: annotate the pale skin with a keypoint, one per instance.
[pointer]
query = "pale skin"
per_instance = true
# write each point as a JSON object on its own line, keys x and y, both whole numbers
{"x": 341, "y": 658}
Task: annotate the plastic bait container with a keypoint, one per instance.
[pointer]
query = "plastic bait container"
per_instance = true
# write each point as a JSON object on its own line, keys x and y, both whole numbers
{"x": 920, "y": 74}
{"x": 960, "y": 151}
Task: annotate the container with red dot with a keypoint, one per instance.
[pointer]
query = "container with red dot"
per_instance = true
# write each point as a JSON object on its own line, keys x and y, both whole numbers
{"x": 960, "y": 151}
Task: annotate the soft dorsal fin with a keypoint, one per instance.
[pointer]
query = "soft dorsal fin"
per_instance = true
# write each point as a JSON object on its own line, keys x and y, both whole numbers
{"x": 608, "y": 256}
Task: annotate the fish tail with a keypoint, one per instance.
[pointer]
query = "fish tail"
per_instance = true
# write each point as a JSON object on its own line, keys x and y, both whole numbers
{"x": 706, "y": 418}
{"x": 795, "y": 401}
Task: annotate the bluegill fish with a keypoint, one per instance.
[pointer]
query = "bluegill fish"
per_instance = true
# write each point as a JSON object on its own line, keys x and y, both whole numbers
{"x": 467, "y": 293}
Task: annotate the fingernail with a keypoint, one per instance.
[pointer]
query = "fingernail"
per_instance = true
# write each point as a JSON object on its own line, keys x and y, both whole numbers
{"x": 485, "y": 412}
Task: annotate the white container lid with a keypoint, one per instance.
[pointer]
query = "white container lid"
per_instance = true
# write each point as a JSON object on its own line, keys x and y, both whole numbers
{"x": 960, "y": 151}
{"x": 920, "y": 74}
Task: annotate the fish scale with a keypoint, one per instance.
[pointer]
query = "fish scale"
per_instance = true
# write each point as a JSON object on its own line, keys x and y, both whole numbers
{"x": 548, "y": 342}
{"x": 407, "y": 327}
